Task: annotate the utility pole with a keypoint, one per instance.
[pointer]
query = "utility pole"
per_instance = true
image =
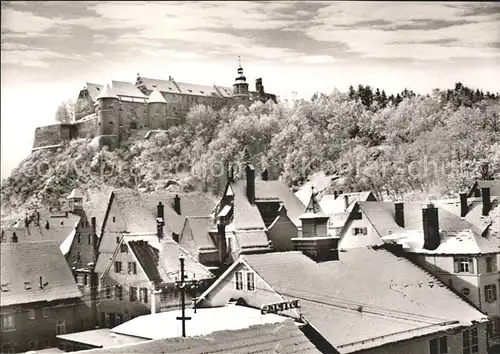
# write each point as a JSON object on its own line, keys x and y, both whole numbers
{"x": 182, "y": 285}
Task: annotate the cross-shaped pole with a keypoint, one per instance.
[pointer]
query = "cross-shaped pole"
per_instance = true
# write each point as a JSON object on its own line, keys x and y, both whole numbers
{"x": 182, "y": 286}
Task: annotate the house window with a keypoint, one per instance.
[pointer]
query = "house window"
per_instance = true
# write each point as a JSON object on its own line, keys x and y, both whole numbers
{"x": 250, "y": 281}
{"x": 124, "y": 248}
{"x": 79, "y": 237}
{"x": 114, "y": 219}
{"x": 439, "y": 345}
{"x": 108, "y": 292}
{"x": 360, "y": 231}
{"x": 464, "y": 265}
{"x": 117, "y": 239}
{"x": 90, "y": 239}
{"x": 45, "y": 312}
{"x": 80, "y": 280}
{"x": 490, "y": 264}
{"x": 8, "y": 323}
{"x": 239, "y": 280}
{"x": 61, "y": 327}
{"x": 143, "y": 295}
{"x": 119, "y": 319}
{"x": 132, "y": 268}
{"x": 469, "y": 341}
{"x": 32, "y": 314}
{"x": 133, "y": 293}
{"x": 33, "y": 344}
{"x": 78, "y": 257}
{"x": 85, "y": 279}
{"x": 490, "y": 293}
{"x": 118, "y": 292}
{"x": 118, "y": 267}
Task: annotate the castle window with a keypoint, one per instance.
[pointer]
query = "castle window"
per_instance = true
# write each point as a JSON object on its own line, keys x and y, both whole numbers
{"x": 110, "y": 122}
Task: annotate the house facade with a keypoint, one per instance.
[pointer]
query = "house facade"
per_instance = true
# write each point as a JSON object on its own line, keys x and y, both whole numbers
{"x": 39, "y": 297}
{"x": 141, "y": 277}
{"x": 336, "y": 292}
{"x": 455, "y": 240}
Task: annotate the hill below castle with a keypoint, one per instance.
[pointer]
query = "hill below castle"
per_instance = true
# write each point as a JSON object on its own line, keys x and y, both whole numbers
{"x": 398, "y": 146}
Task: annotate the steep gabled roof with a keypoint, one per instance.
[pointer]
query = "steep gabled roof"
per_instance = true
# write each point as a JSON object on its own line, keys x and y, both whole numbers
{"x": 127, "y": 89}
{"x": 493, "y": 185}
{"x": 156, "y": 97}
{"x": 283, "y": 337}
{"x": 75, "y": 193}
{"x": 371, "y": 303}
{"x": 265, "y": 191}
{"x": 172, "y": 86}
{"x": 200, "y": 227}
{"x": 474, "y": 214}
{"x": 158, "y": 259}
{"x": 22, "y": 265}
{"x": 107, "y": 92}
{"x": 61, "y": 226}
{"x": 147, "y": 256}
{"x": 334, "y": 206}
{"x": 453, "y": 242}
{"x": 168, "y": 263}
{"x": 94, "y": 90}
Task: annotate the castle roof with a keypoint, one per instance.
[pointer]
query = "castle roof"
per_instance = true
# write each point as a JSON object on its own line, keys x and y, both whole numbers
{"x": 156, "y": 97}
{"x": 75, "y": 193}
{"x": 172, "y": 86}
{"x": 107, "y": 92}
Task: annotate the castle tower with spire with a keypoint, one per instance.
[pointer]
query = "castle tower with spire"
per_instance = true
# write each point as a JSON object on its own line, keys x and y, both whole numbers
{"x": 157, "y": 110}
{"x": 240, "y": 86}
{"x": 108, "y": 120}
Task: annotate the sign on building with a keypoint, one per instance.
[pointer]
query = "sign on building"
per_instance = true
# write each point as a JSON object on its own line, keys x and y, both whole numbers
{"x": 280, "y": 306}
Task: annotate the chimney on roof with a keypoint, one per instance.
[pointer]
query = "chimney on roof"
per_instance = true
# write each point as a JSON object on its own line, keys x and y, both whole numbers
{"x": 335, "y": 194}
{"x": 230, "y": 174}
{"x": 221, "y": 236}
{"x": 346, "y": 202}
{"x": 95, "y": 242}
{"x": 463, "y": 205}
{"x": 485, "y": 192}
{"x": 430, "y": 221}
{"x": 14, "y": 237}
{"x": 399, "y": 211}
{"x": 177, "y": 204}
{"x": 250, "y": 170}
{"x": 264, "y": 175}
{"x": 159, "y": 210}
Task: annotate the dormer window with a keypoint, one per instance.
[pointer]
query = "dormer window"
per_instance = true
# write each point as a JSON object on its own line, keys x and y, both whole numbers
{"x": 27, "y": 285}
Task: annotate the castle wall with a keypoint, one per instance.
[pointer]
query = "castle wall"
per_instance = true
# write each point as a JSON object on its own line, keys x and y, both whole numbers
{"x": 87, "y": 127}
{"x": 48, "y": 135}
{"x": 83, "y": 106}
{"x": 133, "y": 115}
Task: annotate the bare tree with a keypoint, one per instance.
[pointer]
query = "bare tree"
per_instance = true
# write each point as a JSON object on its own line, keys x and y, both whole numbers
{"x": 66, "y": 112}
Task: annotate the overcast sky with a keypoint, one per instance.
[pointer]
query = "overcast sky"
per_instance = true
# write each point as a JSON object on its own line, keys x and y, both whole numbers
{"x": 50, "y": 49}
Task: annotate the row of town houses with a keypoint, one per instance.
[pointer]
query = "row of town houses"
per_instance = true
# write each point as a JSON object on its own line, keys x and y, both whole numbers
{"x": 258, "y": 271}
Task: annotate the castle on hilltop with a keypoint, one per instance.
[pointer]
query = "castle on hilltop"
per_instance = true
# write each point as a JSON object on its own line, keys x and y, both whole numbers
{"x": 111, "y": 113}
